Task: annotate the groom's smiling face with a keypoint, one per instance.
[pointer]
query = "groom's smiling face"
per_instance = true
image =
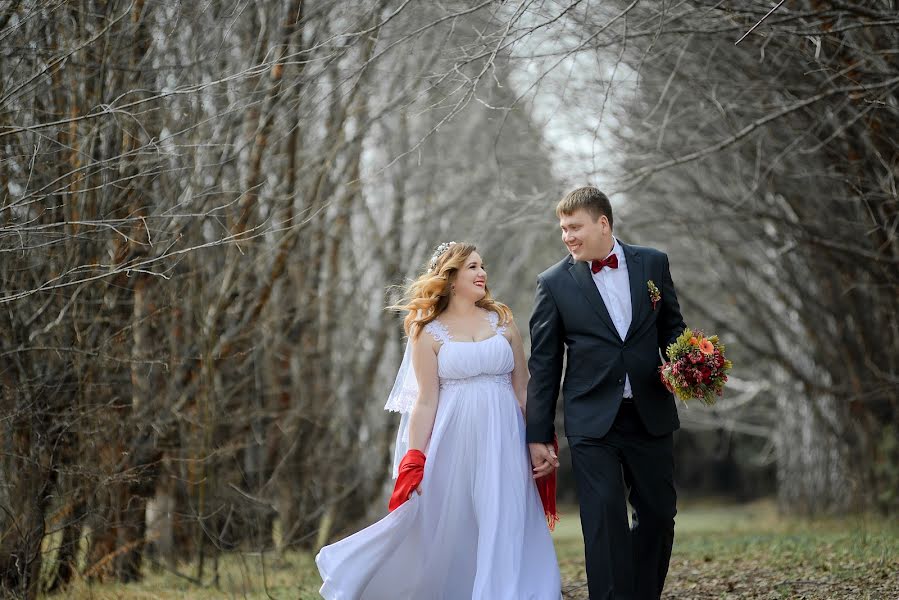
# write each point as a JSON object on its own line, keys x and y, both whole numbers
{"x": 585, "y": 238}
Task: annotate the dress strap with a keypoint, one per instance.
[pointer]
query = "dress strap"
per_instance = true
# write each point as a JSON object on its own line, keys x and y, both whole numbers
{"x": 494, "y": 323}
{"x": 438, "y": 331}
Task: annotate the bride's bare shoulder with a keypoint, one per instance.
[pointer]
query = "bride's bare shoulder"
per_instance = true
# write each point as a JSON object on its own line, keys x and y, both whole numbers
{"x": 503, "y": 321}
{"x": 511, "y": 328}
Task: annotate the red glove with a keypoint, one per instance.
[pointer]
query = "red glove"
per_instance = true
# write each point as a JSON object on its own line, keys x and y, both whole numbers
{"x": 411, "y": 471}
{"x": 546, "y": 486}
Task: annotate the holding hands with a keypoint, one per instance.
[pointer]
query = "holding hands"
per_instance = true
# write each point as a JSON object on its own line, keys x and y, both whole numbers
{"x": 543, "y": 459}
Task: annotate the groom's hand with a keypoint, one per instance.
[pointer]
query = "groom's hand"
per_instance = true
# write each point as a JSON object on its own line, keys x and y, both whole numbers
{"x": 543, "y": 459}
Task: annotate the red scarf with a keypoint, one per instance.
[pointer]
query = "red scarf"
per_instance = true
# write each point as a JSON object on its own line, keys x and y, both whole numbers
{"x": 546, "y": 486}
{"x": 410, "y": 473}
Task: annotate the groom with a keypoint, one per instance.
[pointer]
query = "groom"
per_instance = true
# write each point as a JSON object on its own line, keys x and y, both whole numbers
{"x": 611, "y": 307}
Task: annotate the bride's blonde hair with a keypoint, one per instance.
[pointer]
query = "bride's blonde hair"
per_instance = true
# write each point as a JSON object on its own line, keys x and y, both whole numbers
{"x": 429, "y": 295}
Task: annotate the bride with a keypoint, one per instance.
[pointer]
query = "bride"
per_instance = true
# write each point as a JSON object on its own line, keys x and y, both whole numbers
{"x": 466, "y": 519}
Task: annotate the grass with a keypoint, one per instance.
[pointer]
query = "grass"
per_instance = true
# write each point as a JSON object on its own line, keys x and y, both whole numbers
{"x": 752, "y": 553}
{"x": 721, "y": 552}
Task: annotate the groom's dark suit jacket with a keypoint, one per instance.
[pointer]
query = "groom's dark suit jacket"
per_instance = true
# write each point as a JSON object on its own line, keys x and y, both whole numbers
{"x": 569, "y": 313}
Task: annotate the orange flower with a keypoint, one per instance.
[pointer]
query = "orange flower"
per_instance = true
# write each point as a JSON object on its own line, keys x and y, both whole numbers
{"x": 706, "y": 347}
{"x": 694, "y": 341}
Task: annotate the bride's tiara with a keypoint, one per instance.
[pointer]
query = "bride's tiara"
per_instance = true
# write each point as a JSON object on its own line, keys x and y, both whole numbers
{"x": 437, "y": 254}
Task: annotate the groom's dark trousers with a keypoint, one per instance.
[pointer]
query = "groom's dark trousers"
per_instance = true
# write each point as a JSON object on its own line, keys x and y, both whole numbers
{"x": 618, "y": 446}
{"x": 625, "y": 562}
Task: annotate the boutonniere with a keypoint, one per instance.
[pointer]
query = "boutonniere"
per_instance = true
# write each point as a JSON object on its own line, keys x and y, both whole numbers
{"x": 654, "y": 294}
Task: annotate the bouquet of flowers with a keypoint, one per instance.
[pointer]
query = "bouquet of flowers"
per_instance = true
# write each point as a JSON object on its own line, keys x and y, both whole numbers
{"x": 696, "y": 367}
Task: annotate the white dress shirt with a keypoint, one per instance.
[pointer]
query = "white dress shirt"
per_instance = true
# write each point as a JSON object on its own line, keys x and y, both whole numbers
{"x": 615, "y": 289}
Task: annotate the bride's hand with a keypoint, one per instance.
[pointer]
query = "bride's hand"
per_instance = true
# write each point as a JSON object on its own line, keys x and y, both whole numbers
{"x": 417, "y": 489}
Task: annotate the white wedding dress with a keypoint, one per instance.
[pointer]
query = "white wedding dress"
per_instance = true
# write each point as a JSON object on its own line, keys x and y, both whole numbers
{"x": 478, "y": 530}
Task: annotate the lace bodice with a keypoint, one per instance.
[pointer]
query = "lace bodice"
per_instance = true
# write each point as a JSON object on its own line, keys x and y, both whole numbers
{"x": 440, "y": 332}
{"x": 460, "y": 362}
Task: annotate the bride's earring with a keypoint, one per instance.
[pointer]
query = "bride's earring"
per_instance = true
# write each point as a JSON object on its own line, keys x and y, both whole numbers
{"x": 453, "y": 290}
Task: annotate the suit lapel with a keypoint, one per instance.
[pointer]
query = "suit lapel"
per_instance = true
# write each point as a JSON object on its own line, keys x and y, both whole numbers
{"x": 581, "y": 273}
{"x": 639, "y": 293}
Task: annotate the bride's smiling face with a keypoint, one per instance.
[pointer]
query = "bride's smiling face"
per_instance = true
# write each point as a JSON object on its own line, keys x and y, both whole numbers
{"x": 471, "y": 278}
{"x": 585, "y": 238}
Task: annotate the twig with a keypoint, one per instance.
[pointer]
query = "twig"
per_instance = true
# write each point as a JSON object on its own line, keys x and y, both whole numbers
{"x": 639, "y": 175}
{"x": 751, "y": 29}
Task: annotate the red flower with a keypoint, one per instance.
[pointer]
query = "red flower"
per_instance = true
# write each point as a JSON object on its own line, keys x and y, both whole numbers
{"x": 664, "y": 379}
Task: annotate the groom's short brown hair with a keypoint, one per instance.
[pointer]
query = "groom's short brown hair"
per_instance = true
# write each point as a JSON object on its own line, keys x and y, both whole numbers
{"x": 590, "y": 199}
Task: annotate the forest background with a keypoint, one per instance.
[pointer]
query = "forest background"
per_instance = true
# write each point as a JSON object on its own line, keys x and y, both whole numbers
{"x": 205, "y": 208}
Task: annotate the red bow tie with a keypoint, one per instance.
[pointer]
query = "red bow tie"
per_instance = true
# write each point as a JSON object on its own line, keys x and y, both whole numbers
{"x": 611, "y": 261}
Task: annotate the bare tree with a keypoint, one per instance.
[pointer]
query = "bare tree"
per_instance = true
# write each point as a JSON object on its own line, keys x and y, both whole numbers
{"x": 203, "y": 210}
